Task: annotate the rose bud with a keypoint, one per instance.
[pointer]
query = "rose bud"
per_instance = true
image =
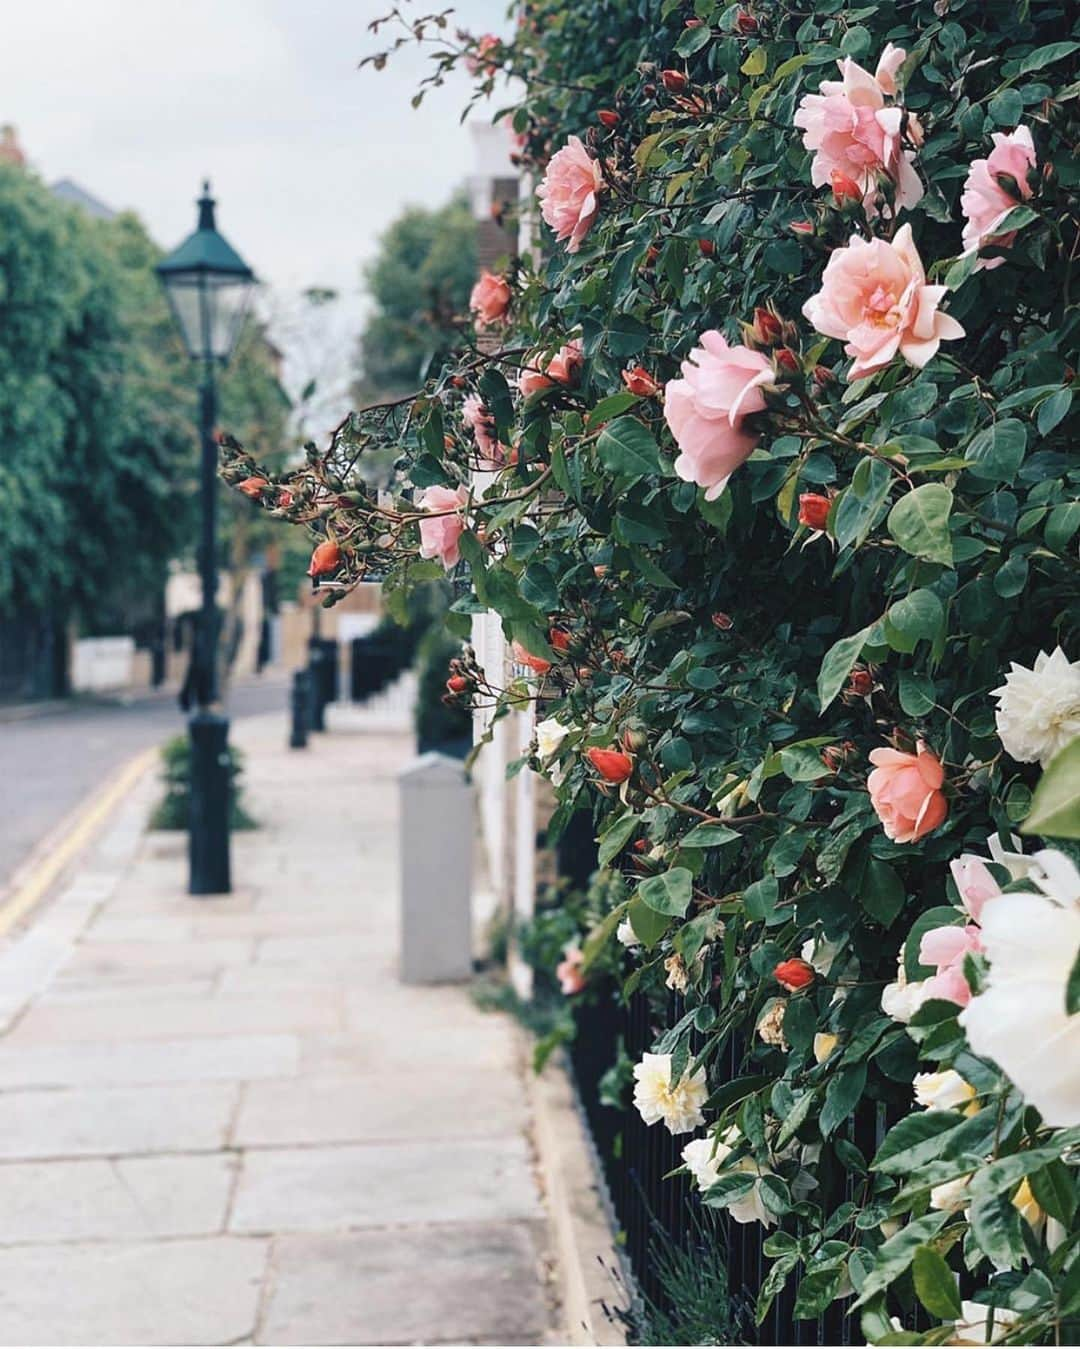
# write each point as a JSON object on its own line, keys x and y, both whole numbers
{"x": 813, "y": 509}
{"x": 612, "y": 765}
{"x": 457, "y": 684}
{"x": 708, "y": 248}
{"x": 284, "y": 499}
{"x": 325, "y": 559}
{"x": 459, "y": 381}
{"x": 252, "y": 487}
{"x": 722, "y": 621}
{"x": 600, "y": 570}
{"x": 648, "y": 90}
{"x": 823, "y": 376}
{"x": 523, "y": 657}
{"x": 787, "y": 360}
{"x": 559, "y": 639}
{"x": 674, "y": 81}
{"x": 633, "y": 740}
{"x": 639, "y": 381}
{"x": 584, "y": 673}
{"x": 618, "y": 655}
{"x": 745, "y": 23}
{"x": 801, "y": 227}
{"x": 767, "y": 328}
{"x": 832, "y": 756}
{"x": 448, "y": 442}
{"x": 651, "y": 255}
{"x": 794, "y": 974}
{"x": 861, "y": 682}
{"x": 608, "y": 117}
{"x": 639, "y": 844}
{"x": 844, "y": 188}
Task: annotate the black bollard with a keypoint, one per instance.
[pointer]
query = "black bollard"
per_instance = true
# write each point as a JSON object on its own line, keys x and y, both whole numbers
{"x": 298, "y": 699}
{"x": 316, "y": 686}
{"x": 209, "y": 833}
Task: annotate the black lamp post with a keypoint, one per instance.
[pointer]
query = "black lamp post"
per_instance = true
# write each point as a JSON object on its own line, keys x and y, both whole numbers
{"x": 209, "y": 288}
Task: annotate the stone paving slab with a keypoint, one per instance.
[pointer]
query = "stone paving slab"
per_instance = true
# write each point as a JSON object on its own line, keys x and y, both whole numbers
{"x": 226, "y": 1120}
{"x": 110, "y": 1121}
{"x": 154, "y": 1292}
{"x": 477, "y": 1286}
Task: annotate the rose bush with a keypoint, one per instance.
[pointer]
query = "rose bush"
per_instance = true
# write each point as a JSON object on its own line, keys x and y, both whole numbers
{"x": 791, "y": 498}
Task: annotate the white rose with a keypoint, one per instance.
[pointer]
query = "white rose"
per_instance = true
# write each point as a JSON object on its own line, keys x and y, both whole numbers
{"x": 1019, "y": 1020}
{"x": 626, "y": 934}
{"x": 942, "y": 1091}
{"x": 951, "y": 1195}
{"x": 974, "y": 1321}
{"x": 902, "y": 1000}
{"x": 679, "y": 1106}
{"x": 1039, "y": 709}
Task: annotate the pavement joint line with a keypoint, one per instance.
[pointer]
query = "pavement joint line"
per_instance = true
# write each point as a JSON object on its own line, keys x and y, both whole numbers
{"x": 77, "y": 834}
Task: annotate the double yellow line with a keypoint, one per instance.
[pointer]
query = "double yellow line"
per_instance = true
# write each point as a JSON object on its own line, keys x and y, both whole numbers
{"x": 74, "y": 835}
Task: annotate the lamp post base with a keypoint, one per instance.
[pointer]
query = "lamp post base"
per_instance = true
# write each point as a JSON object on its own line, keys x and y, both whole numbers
{"x": 208, "y": 838}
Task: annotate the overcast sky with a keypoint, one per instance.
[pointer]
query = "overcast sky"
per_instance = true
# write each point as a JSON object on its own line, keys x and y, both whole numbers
{"x": 138, "y": 100}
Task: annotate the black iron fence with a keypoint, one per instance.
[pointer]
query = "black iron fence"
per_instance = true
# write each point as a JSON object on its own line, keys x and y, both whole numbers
{"x": 654, "y": 1209}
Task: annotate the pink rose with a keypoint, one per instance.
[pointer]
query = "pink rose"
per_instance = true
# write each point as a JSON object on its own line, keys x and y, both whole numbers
{"x": 569, "y": 971}
{"x": 563, "y": 368}
{"x": 707, "y": 409}
{"x": 568, "y": 193}
{"x": 485, "y": 45}
{"x": 945, "y": 948}
{"x": 482, "y": 424}
{"x": 874, "y": 295}
{"x": 905, "y": 790}
{"x": 975, "y": 882}
{"x": 853, "y": 133}
{"x": 490, "y": 299}
{"x": 985, "y": 203}
{"x": 439, "y": 534}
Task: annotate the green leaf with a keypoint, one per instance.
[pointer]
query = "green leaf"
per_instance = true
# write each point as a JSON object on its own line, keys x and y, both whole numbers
{"x": 917, "y": 617}
{"x": 611, "y": 406}
{"x": 692, "y": 40}
{"x": 1053, "y": 410}
{"x": 599, "y": 937}
{"x": 882, "y": 892}
{"x": 1055, "y": 807}
{"x": 841, "y": 1096}
{"x": 1054, "y": 1188}
{"x": 1072, "y": 988}
{"x": 997, "y": 451}
{"x": 708, "y": 836}
{"x": 670, "y": 893}
{"x": 919, "y": 522}
{"x": 917, "y": 693}
{"x": 627, "y": 448}
{"x": 649, "y": 926}
{"x": 995, "y": 1225}
{"x": 935, "y": 1284}
{"x": 914, "y": 1140}
{"x": 895, "y": 1255}
{"x": 1044, "y": 56}
{"x": 836, "y": 666}
{"x": 615, "y": 838}
{"x": 756, "y": 62}
{"x": 1063, "y": 523}
{"x": 817, "y": 1289}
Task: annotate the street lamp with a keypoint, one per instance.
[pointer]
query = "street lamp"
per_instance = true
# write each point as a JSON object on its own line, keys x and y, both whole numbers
{"x": 209, "y": 288}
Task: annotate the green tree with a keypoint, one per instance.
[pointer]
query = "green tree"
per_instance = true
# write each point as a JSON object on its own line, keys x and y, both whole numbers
{"x": 419, "y": 281}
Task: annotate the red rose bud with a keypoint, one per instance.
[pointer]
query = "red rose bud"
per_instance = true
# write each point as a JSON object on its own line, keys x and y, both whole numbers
{"x": 523, "y": 657}
{"x": 639, "y": 381}
{"x": 794, "y": 974}
{"x": 608, "y": 117}
{"x": 768, "y": 328}
{"x": 325, "y": 559}
{"x": 861, "y": 682}
{"x": 652, "y": 254}
{"x": 801, "y": 227}
{"x": 674, "y": 81}
{"x": 457, "y": 684}
{"x": 559, "y": 639}
{"x": 722, "y": 621}
{"x": 787, "y": 360}
{"x": 823, "y": 375}
{"x": 639, "y": 845}
{"x": 693, "y": 23}
{"x": 832, "y": 756}
{"x": 708, "y": 248}
{"x": 813, "y": 509}
{"x": 844, "y": 188}
{"x": 252, "y": 487}
{"x": 284, "y": 499}
{"x": 634, "y": 740}
{"x": 612, "y": 765}
{"x": 745, "y": 23}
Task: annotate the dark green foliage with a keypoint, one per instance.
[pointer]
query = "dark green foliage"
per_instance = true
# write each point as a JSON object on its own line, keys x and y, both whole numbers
{"x": 173, "y": 811}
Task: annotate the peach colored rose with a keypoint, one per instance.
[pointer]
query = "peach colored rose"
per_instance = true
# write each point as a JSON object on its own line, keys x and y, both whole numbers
{"x": 852, "y": 132}
{"x": 985, "y": 203}
{"x": 568, "y": 194}
{"x": 905, "y": 790}
{"x": 439, "y": 534}
{"x": 490, "y": 299}
{"x": 482, "y": 424}
{"x": 874, "y": 295}
{"x": 707, "y": 409}
{"x": 563, "y": 368}
{"x": 569, "y": 971}
{"x": 484, "y": 46}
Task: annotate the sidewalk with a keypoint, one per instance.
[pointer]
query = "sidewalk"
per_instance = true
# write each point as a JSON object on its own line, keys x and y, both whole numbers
{"x": 225, "y": 1121}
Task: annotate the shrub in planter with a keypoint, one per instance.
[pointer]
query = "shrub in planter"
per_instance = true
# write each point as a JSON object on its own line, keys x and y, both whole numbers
{"x": 779, "y": 507}
{"x": 173, "y": 811}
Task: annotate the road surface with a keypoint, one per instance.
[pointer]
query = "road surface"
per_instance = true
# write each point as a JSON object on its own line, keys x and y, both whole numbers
{"x": 52, "y": 760}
